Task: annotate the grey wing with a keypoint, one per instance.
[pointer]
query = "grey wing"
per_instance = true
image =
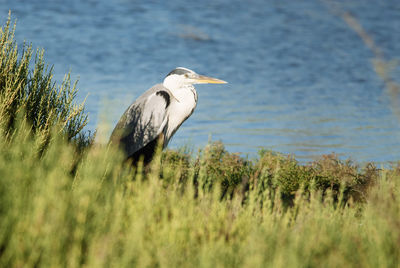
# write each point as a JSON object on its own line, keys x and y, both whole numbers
{"x": 142, "y": 122}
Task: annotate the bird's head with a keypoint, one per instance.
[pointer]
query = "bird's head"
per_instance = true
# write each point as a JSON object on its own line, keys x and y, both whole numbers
{"x": 181, "y": 77}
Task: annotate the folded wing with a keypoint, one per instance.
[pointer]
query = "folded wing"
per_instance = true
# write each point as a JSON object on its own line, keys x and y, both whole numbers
{"x": 143, "y": 121}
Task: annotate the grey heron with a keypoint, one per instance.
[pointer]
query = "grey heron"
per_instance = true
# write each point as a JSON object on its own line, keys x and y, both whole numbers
{"x": 156, "y": 115}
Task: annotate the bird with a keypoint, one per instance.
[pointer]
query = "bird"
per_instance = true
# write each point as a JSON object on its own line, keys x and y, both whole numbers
{"x": 154, "y": 117}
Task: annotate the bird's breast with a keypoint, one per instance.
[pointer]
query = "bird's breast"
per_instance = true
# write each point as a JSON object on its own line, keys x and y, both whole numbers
{"x": 179, "y": 110}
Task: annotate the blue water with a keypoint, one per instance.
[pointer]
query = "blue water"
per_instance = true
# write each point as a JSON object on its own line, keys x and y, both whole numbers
{"x": 300, "y": 80}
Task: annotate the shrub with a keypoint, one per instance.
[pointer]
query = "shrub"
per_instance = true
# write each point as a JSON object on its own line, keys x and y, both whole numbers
{"x": 34, "y": 94}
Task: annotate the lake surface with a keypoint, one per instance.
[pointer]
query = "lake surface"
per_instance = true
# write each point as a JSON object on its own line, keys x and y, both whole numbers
{"x": 300, "y": 80}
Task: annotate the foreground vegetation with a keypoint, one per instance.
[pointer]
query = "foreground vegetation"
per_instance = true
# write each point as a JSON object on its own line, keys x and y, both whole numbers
{"x": 64, "y": 202}
{"x": 213, "y": 210}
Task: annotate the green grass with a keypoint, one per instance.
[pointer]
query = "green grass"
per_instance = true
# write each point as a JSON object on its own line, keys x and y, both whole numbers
{"x": 63, "y": 207}
{"x": 191, "y": 211}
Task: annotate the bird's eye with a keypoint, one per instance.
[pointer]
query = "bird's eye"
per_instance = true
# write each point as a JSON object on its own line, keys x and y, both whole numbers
{"x": 186, "y": 75}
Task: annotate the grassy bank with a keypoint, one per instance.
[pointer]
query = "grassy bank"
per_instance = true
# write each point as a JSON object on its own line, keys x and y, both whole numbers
{"x": 216, "y": 209}
{"x": 66, "y": 203}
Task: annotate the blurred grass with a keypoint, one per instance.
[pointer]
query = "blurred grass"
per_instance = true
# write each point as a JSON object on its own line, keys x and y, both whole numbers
{"x": 215, "y": 209}
{"x": 60, "y": 207}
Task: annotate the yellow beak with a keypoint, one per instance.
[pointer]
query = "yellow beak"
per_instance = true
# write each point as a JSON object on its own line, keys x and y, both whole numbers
{"x": 202, "y": 79}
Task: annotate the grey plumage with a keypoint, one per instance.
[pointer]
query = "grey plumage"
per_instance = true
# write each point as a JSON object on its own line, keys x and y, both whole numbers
{"x": 143, "y": 121}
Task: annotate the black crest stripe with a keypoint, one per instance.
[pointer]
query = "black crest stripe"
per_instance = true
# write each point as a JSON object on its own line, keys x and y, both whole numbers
{"x": 178, "y": 71}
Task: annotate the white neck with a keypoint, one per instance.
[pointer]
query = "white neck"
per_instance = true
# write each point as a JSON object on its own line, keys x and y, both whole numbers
{"x": 181, "y": 109}
{"x": 173, "y": 82}
{"x": 179, "y": 87}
